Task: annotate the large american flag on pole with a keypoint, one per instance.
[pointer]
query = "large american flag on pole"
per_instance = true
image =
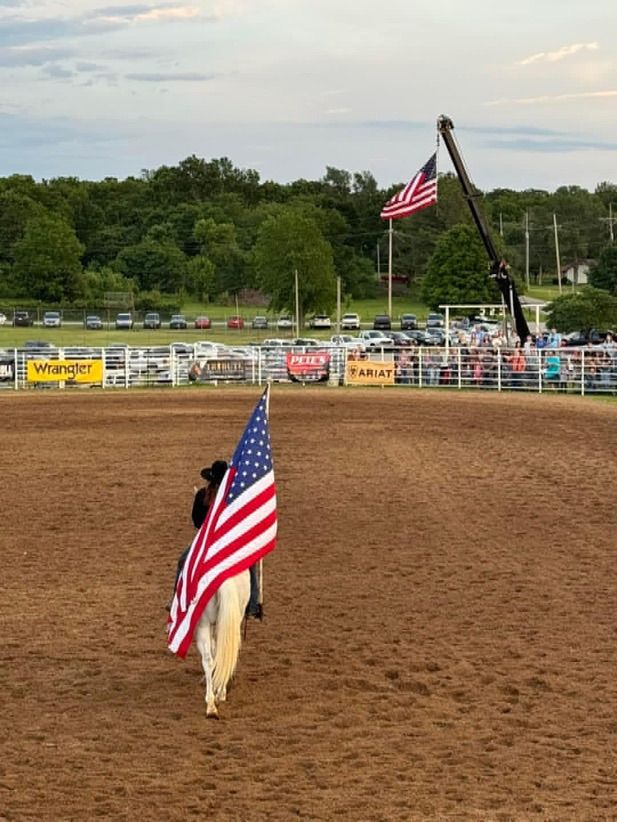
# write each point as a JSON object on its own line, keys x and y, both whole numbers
{"x": 239, "y": 529}
{"x": 420, "y": 192}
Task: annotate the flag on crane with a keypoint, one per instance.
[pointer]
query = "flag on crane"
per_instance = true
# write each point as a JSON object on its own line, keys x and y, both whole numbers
{"x": 420, "y": 192}
{"x": 239, "y": 529}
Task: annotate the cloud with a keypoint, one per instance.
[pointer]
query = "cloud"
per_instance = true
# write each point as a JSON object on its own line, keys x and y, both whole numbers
{"x": 554, "y": 98}
{"x": 31, "y": 56}
{"x": 143, "y": 13}
{"x": 58, "y": 72}
{"x": 170, "y": 77}
{"x": 559, "y": 54}
{"x": 18, "y": 131}
{"x": 551, "y": 146}
{"x": 337, "y": 111}
{"x": 15, "y": 30}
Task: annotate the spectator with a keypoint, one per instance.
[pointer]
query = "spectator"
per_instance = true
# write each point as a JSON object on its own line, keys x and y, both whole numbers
{"x": 518, "y": 364}
{"x": 552, "y": 370}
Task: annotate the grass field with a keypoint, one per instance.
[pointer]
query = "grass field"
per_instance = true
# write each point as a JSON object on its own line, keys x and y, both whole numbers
{"x": 73, "y": 333}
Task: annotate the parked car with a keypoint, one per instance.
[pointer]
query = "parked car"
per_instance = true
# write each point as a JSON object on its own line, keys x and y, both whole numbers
{"x": 152, "y": 320}
{"x": 39, "y": 346}
{"x": 285, "y": 321}
{"x": 93, "y": 322}
{"x": 178, "y": 321}
{"x": 52, "y": 319}
{"x": 347, "y": 341}
{"x": 408, "y": 322}
{"x": 435, "y": 320}
{"x": 259, "y": 322}
{"x": 2, "y": 318}
{"x": 275, "y": 343}
{"x": 382, "y": 322}
{"x": 235, "y": 322}
{"x": 124, "y": 321}
{"x": 22, "y": 318}
{"x": 399, "y": 339}
{"x": 203, "y": 322}
{"x": 320, "y": 321}
{"x": 307, "y": 342}
{"x": 419, "y": 337}
{"x": 375, "y": 339}
{"x": 591, "y": 335}
{"x": 350, "y": 322}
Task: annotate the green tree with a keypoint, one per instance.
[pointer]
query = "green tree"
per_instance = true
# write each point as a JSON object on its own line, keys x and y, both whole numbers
{"x": 155, "y": 266}
{"x": 604, "y": 274}
{"x": 588, "y": 308}
{"x": 96, "y": 282}
{"x": 16, "y": 210}
{"x": 292, "y": 241}
{"x": 48, "y": 260}
{"x": 201, "y": 277}
{"x": 457, "y": 270}
{"x": 218, "y": 242}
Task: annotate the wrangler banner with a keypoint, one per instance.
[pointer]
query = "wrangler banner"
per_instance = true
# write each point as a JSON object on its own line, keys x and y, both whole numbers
{"x": 308, "y": 367}
{"x": 65, "y": 371}
{"x": 369, "y": 372}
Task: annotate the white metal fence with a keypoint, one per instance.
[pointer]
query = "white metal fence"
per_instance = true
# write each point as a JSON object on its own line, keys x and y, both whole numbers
{"x": 574, "y": 370}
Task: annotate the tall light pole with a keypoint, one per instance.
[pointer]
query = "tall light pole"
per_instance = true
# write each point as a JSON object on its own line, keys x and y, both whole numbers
{"x": 557, "y": 251}
{"x": 297, "y": 303}
{"x": 527, "y": 248}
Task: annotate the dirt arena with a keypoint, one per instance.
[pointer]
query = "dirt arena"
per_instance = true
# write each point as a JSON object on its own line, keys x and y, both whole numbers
{"x": 441, "y": 610}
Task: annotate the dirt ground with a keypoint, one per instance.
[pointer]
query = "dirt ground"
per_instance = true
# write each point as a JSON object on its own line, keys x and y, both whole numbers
{"x": 440, "y": 633}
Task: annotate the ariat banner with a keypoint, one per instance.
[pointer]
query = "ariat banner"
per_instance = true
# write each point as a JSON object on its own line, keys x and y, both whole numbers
{"x": 308, "y": 367}
{"x": 65, "y": 371}
{"x": 370, "y": 372}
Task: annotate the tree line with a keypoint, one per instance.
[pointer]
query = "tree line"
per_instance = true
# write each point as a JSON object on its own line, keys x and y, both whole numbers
{"x": 209, "y": 230}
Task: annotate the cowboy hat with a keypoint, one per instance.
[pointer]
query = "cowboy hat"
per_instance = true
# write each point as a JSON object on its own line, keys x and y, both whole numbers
{"x": 215, "y": 472}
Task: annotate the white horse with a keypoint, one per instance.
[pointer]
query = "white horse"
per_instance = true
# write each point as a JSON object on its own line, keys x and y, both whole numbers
{"x": 218, "y": 637}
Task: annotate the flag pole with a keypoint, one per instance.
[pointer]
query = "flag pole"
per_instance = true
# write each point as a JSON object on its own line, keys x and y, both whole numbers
{"x": 390, "y": 232}
{"x": 260, "y": 564}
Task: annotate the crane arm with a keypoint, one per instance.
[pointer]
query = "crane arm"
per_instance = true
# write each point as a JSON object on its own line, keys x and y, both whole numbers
{"x": 498, "y": 266}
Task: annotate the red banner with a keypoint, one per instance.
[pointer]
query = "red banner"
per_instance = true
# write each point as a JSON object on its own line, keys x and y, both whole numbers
{"x": 308, "y": 367}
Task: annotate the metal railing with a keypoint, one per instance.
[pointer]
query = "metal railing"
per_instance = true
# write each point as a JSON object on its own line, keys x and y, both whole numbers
{"x": 569, "y": 370}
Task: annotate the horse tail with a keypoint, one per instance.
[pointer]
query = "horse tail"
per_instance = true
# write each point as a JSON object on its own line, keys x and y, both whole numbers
{"x": 228, "y": 634}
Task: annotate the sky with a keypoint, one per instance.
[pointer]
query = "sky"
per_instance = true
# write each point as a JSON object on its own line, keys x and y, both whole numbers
{"x": 288, "y": 87}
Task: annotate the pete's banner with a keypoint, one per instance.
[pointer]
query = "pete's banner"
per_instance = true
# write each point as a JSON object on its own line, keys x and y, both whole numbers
{"x": 369, "y": 372}
{"x": 65, "y": 371}
{"x": 308, "y": 367}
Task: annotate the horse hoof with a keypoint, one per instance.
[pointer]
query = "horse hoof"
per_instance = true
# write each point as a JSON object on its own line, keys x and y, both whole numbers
{"x": 212, "y": 714}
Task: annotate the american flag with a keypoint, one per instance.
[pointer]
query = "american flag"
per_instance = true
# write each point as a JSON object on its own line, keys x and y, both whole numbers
{"x": 419, "y": 193}
{"x": 239, "y": 529}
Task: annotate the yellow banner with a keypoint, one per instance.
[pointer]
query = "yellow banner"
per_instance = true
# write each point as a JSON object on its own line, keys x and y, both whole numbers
{"x": 370, "y": 372}
{"x": 65, "y": 371}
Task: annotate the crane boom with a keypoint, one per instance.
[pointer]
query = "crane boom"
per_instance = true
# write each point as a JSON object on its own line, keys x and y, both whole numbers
{"x": 498, "y": 266}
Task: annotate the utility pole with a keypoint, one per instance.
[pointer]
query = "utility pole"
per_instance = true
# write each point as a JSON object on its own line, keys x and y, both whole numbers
{"x": 501, "y": 224}
{"x": 378, "y": 263}
{"x": 338, "y": 305}
{"x": 527, "y": 248}
{"x": 557, "y": 251}
{"x": 297, "y": 304}
{"x": 611, "y": 221}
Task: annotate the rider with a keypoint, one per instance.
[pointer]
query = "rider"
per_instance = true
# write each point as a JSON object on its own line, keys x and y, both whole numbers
{"x": 202, "y": 501}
